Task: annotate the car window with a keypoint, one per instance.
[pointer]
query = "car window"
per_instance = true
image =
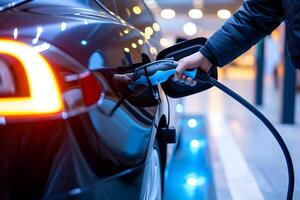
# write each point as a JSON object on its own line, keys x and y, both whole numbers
{"x": 135, "y": 12}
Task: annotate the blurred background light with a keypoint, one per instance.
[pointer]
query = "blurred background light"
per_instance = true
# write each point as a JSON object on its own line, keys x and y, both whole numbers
{"x": 224, "y": 14}
{"x": 195, "y": 145}
{"x": 168, "y": 14}
{"x": 141, "y": 42}
{"x": 179, "y": 108}
{"x": 193, "y": 180}
{"x": 164, "y": 42}
{"x": 137, "y": 10}
{"x": 148, "y": 31}
{"x": 134, "y": 45}
{"x": 83, "y": 42}
{"x": 192, "y": 123}
{"x": 156, "y": 27}
{"x": 195, "y": 14}
{"x": 190, "y": 28}
{"x": 153, "y": 50}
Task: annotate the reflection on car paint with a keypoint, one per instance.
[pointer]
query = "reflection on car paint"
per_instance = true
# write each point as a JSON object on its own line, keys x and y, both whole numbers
{"x": 96, "y": 61}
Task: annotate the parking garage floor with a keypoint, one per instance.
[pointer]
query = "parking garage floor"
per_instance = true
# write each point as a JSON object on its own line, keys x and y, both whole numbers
{"x": 237, "y": 157}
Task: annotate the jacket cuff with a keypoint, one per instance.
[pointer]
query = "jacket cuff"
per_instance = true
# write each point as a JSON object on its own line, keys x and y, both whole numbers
{"x": 207, "y": 52}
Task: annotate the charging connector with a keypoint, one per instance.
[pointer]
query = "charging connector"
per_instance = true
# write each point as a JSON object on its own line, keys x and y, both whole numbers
{"x": 160, "y": 71}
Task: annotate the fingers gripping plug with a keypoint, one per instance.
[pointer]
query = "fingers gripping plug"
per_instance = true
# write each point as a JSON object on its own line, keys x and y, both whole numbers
{"x": 158, "y": 72}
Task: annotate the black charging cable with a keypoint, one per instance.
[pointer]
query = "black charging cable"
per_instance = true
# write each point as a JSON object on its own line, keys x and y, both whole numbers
{"x": 268, "y": 124}
{"x": 164, "y": 66}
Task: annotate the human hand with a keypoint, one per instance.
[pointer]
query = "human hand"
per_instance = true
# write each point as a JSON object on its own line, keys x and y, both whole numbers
{"x": 191, "y": 62}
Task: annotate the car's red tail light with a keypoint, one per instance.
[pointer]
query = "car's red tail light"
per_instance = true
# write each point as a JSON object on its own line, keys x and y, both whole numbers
{"x": 44, "y": 93}
{"x": 91, "y": 89}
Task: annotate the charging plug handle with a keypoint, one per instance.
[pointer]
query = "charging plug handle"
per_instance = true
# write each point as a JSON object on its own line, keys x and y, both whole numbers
{"x": 158, "y": 72}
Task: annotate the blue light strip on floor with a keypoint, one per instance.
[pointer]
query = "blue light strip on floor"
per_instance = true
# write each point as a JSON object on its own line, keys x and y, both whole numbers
{"x": 189, "y": 171}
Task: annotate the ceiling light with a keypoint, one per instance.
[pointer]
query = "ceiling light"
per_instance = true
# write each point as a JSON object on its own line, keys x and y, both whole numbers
{"x": 224, "y": 14}
{"x": 156, "y": 27}
{"x": 134, "y": 45}
{"x": 148, "y": 31}
{"x": 137, "y": 10}
{"x": 195, "y": 13}
{"x": 164, "y": 42}
{"x": 153, "y": 50}
{"x": 190, "y": 28}
{"x": 140, "y": 42}
{"x": 168, "y": 14}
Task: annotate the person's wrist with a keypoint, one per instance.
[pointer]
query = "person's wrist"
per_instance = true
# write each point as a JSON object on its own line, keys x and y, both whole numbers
{"x": 207, "y": 52}
{"x": 205, "y": 64}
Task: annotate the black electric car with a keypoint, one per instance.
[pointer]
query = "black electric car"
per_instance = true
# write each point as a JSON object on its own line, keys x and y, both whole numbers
{"x": 69, "y": 129}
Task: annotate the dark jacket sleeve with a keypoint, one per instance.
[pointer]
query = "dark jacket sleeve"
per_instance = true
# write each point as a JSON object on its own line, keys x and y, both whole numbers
{"x": 254, "y": 20}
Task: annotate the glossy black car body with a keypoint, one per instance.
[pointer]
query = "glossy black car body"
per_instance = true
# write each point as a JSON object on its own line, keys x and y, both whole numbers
{"x": 95, "y": 150}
